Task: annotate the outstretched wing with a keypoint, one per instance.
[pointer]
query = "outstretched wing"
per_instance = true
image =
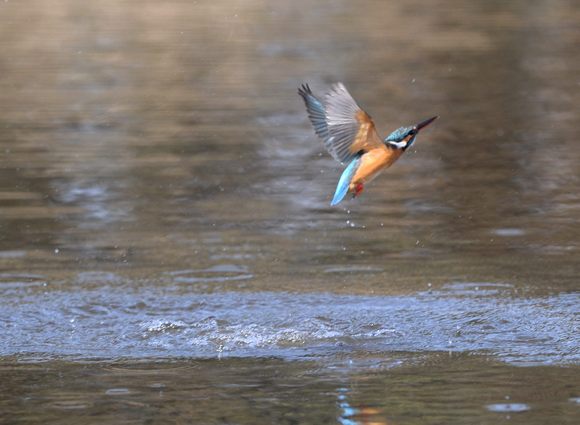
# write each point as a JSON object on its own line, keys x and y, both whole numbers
{"x": 343, "y": 126}
{"x": 316, "y": 111}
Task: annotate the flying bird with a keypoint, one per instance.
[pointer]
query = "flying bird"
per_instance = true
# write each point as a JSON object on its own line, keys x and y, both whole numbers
{"x": 350, "y": 136}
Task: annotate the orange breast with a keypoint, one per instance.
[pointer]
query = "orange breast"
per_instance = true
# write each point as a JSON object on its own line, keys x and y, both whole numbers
{"x": 373, "y": 162}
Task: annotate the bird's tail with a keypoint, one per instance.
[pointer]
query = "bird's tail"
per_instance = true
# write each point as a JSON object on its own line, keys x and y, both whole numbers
{"x": 344, "y": 182}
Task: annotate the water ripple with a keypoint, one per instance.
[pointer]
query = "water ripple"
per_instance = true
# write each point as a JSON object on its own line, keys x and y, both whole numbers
{"x": 519, "y": 330}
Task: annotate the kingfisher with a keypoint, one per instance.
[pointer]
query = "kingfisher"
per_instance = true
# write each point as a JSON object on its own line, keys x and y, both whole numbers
{"x": 350, "y": 136}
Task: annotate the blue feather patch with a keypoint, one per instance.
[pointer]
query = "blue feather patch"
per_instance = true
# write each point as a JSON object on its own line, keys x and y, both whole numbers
{"x": 344, "y": 182}
{"x": 399, "y": 134}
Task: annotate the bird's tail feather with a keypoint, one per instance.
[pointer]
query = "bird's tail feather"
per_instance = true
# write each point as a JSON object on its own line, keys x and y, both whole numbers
{"x": 344, "y": 182}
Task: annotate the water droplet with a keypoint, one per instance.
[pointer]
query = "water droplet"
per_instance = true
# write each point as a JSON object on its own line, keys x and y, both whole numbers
{"x": 117, "y": 391}
{"x": 508, "y": 231}
{"x": 508, "y": 407}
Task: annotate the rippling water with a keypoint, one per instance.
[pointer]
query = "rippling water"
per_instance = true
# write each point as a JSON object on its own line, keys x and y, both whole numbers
{"x": 167, "y": 249}
{"x": 113, "y": 322}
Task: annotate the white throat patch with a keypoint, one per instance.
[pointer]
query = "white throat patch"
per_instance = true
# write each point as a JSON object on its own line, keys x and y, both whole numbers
{"x": 398, "y": 145}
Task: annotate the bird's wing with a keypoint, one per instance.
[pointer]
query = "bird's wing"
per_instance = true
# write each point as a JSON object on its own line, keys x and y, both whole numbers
{"x": 343, "y": 126}
{"x": 316, "y": 111}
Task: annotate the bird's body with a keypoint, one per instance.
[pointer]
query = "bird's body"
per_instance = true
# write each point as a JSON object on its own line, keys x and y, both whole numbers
{"x": 350, "y": 136}
{"x": 373, "y": 162}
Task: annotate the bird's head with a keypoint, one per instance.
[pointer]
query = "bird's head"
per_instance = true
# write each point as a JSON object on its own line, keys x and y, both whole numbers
{"x": 404, "y": 137}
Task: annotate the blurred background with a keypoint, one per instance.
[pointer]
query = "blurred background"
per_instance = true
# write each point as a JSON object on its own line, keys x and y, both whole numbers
{"x": 164, "y": 203}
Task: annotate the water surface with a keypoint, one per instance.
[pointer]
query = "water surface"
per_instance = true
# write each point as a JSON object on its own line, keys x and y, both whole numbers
{"x": 167, "y": 247}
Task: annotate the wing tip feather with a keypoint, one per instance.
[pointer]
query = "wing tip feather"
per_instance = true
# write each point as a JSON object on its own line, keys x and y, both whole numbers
{"x": 304, "y": 91}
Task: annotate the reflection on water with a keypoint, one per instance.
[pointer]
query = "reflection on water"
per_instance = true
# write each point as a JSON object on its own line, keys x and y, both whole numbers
{"x": 140, "y": 148}
{"x": 432, "y": 389}
{"x": 162, "y": 195}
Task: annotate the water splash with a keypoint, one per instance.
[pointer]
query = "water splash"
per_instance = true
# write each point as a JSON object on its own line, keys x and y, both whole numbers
{"x": 152, "y": 322}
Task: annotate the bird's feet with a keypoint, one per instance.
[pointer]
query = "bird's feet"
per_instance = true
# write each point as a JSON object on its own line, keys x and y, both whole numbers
{"x": 358, "y": 189}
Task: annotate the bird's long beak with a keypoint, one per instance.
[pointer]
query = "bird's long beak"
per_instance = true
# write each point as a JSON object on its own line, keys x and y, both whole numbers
{"x": 425, "y": 123}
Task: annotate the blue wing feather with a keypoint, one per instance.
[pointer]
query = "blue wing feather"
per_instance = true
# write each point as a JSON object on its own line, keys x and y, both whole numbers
{"x": 344, "y": 182}
{"x": 316, "y": 111}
